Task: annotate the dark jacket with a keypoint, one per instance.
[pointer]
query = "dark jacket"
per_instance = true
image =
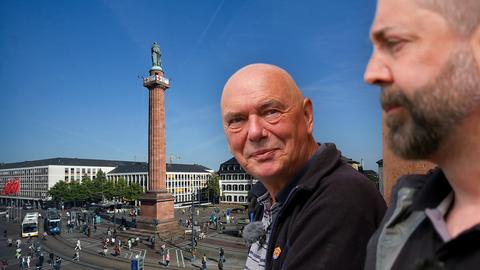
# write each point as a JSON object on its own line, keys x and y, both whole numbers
{"x": 326, "y": 219}
{"x": 407, "y": 239}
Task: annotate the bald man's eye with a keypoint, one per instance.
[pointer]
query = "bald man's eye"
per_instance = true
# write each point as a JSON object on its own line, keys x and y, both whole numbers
{"x": 235, "y": 122}
{"x": 271, "y": 114}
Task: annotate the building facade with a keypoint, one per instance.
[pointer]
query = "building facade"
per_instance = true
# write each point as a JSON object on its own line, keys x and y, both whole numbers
{"x": 37, "y": 177}
{"x": 234, "y": 182}
{"x": 183, "y": 180}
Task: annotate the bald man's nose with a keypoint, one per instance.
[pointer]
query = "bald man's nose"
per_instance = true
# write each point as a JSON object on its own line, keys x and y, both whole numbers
{"x": 256, "y": 129}
{"x": 377, "y": 72}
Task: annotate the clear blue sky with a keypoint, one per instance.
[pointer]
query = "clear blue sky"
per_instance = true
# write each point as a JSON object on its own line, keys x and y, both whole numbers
{"x": 70, "y": 87}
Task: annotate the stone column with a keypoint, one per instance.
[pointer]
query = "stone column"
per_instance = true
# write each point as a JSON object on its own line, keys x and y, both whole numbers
{"x": 157, "y": 212}
{"x": 156, "y": 134}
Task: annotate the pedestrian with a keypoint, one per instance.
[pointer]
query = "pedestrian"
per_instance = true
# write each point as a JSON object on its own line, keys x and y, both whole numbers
{"x": 105, "y": 250}
{"x": 41, "y": 258}
{"x": 221, "y": 254}
{"x": 94, "y": 227}
{"x": 9, "y": 242}
{"x": 51, "y": 256}
{"x": 28, "y": 261}
{"x": 58, "y": 263}
{"x": 162, "y": 251}
{"x": 69, "y": 226}
{"x": 193, "y": 255}
{"x": 19, "y": 242}
{"x": 129, "y": 243}
{"x": 152, "y": 239}
{"x": 204, "y": 262}
{"x": 78, "y": 246}
{"x": 117, "y": 250}
{"x": 4, "y": 264}
{"x": 167, "y": 259}
{"x": 18, "y": 253}
{"x": 76, "y": 256}
{"x": 24, "y": 262}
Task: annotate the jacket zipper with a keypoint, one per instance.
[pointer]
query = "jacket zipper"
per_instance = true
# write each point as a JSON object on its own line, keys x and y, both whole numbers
{"x": 268, "y": 263}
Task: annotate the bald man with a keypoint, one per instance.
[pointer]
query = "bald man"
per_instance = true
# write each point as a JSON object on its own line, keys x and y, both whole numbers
{"x": 317, "y": 212}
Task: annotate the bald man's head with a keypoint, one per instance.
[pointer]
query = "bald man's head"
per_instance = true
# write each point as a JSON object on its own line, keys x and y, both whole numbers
{"x": 262, "y": 76}
{"x": 267, "y": 121}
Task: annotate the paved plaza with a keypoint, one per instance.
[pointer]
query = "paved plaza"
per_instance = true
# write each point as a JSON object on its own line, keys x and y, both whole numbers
{"x": 91, "y": 256}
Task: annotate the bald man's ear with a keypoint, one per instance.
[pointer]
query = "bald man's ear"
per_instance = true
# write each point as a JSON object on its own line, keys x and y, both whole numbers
{"x": 308, "y": 114}
{"x": 475, "y": 44}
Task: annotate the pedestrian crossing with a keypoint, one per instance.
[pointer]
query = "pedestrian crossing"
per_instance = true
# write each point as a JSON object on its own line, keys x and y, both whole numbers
{"x": 94, "y": 244}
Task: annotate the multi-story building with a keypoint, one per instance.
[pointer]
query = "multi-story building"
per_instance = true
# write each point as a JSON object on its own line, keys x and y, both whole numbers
{"x": 234, "y": 182}
{"x": 183, "y": 180}
{"x": 37, "y": 177}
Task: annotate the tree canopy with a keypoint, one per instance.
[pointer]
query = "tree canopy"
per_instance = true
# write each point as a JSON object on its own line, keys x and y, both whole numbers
{"x": 96, "y": 190}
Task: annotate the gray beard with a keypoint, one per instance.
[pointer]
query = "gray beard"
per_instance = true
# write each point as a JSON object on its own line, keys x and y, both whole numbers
{"x": 435, "y": 110}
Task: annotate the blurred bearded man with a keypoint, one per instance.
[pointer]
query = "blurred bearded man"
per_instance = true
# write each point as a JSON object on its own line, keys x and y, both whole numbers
{"x": 426, "y": 60}
{"x": 317, "y": 212}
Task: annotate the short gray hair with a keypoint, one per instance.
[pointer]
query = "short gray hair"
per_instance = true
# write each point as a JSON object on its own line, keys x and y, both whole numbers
{"x": 462, "y": 15}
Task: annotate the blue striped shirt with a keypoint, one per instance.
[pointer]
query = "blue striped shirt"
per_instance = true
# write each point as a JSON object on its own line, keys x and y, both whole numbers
{"x": 258, "y": 250}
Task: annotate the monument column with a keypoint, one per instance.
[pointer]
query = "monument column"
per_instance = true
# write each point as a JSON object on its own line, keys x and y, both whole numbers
{"x": 156, "y": 204}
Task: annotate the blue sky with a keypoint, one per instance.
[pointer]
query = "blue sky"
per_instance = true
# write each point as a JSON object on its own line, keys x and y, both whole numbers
{"x": 70, "y": 73}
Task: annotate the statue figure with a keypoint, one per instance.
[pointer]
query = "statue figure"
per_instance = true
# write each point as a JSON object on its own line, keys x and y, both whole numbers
{"x": 156, "y": 61}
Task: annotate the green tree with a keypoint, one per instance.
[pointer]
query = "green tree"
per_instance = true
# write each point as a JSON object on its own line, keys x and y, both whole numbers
{"x": 100, "y": 185}
{"x": 212, "y": 190}
{"x": 59, "y": 192}
{"x": 121, "y": 188}
{"x": 134, "y": 191}
{"x": 109, "y": 190}
{"x": 88, "y": 189}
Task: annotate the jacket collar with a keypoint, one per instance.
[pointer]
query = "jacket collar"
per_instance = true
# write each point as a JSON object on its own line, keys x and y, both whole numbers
{"x": 436, "y": 189}
{"x": 319, "y": 166}
{"x": 323, "y": 161}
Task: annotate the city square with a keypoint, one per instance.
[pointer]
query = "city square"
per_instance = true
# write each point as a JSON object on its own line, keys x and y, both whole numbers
{"x": 239, "y": 134}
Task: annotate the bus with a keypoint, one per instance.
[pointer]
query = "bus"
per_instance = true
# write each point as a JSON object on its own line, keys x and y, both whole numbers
{"x": 52, "y": 222}
{"x": 30, "y": 225}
